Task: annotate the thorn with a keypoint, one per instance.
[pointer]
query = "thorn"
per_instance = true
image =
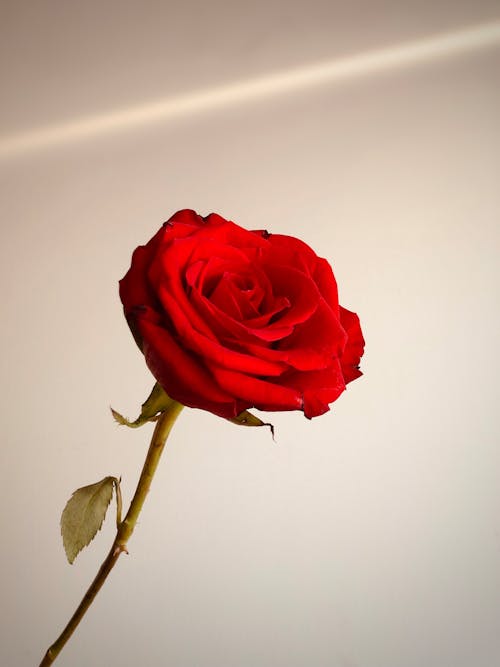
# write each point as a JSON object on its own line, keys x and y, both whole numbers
{"x": 120, "y": 548}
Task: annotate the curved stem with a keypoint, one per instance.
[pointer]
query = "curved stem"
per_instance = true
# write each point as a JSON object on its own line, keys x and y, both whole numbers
{"x": 125, "y": 529}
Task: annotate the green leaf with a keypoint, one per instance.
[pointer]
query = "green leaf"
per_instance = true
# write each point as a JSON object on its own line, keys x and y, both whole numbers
{"x": 246, "y": 418}
{"x": 158, "y": 401}
{"x": 84, "y": 514}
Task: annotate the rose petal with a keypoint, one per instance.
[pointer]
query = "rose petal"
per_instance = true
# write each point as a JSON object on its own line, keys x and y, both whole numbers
{"x": 327, "y": 285}
{"x": 355, "y": 345}
{"x": 167, "y": 271}
{"x": 257, "y": 392}
{"x": 179, "y": 373}
{"x": 213, "y": 350}
{"x": 227, "y": 234}
{"x": 322, "y": 332}
{"x": 303, "y": 359}
{"x": 299, "y": 289}
{"x": 134, "y": 287}
{"x": 228, "y": 328}
{"x": 232, "y": 300}
{"x": 318, "y": 388}
{"x": 187, "y": 218}
{"x": 290, "y": 251}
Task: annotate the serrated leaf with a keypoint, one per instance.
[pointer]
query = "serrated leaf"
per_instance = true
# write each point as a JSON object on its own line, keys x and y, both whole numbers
{"x": 84, "y": 514}
{"x": 246, "y": 418}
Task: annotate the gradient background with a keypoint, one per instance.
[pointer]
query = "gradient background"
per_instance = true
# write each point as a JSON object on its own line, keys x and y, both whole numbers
{"x": 369, "y": 537}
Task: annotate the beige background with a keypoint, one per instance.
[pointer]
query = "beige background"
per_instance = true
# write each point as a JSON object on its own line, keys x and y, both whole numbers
{"x": 369, "y": 537}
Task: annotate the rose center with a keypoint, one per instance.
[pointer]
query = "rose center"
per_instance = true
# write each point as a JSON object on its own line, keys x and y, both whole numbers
{"x": 236, "y": 294}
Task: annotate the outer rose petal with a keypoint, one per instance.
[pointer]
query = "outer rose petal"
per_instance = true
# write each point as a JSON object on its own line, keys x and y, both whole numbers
{"x": 181, "y": 374}
{"x": 289, "y": 251}
{"x": 354, "y": 347}
{"x": 134, "y": 287}
{"x": 186, "y": 217}
{"x": 258, "y": 393}
{"x": 318, "y": 388}
{"x": 327, "y": 285}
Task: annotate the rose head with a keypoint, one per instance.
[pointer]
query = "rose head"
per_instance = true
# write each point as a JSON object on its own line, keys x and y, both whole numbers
{"x": 230, "y": 319}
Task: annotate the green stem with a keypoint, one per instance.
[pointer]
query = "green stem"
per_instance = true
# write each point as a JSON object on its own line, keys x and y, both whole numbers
{"x": 125, "y": 529}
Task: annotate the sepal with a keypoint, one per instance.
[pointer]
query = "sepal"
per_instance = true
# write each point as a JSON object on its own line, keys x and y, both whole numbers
{"x": 156, "y": 403}
{"x": 246, "y": 418}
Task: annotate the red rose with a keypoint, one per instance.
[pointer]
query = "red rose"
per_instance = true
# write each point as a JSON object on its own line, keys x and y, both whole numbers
{"x": 230, "y": 319}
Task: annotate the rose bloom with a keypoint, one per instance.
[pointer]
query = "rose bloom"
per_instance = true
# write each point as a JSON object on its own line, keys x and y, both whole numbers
{"x": 229, "y": 319}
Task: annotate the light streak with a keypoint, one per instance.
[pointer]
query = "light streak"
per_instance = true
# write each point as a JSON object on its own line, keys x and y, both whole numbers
{"x": 252, "y": 90}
